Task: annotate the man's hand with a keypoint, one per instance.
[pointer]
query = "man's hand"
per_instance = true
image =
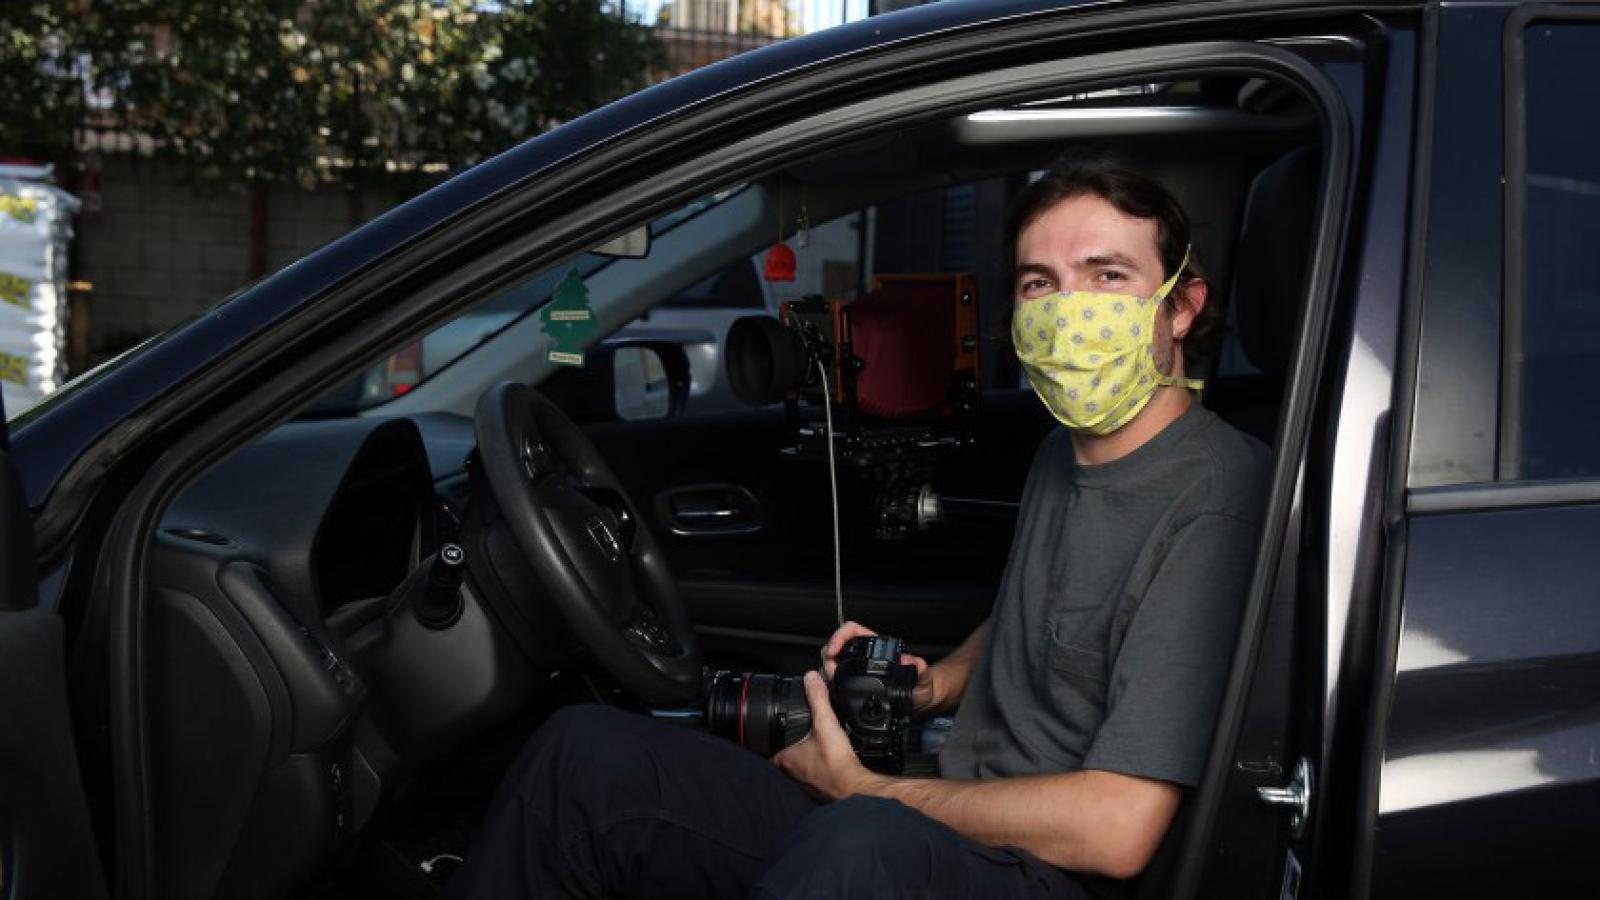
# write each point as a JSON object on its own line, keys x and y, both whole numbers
{"x": 823, "y": 761}
{"x": 1089, "y": 821}
{"x": 923, "y": 695}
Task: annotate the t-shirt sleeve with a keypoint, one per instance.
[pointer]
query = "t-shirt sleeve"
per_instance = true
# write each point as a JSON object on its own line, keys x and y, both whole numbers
{"x": 1168, "y": 678}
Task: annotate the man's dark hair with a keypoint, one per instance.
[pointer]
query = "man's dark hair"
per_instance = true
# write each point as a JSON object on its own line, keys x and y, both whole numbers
{"x": 1075, "y": 174}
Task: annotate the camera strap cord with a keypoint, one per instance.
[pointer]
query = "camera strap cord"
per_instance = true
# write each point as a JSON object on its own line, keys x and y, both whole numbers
{"x": 833, "y": 489}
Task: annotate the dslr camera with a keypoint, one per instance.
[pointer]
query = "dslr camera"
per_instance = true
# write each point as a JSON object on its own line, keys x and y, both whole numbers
{"x": 870, "y": 694}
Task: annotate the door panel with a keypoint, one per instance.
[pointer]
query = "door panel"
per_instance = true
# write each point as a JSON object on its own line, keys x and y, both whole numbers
{"x": 762, "y": 593}
{"x": 47, "y": 847}
{"x": 1489, "y": 776}
{"x": 1494, "y": 717}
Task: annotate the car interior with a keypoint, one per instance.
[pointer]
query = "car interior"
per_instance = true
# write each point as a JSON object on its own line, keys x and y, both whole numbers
{"x": 356, "y": 620}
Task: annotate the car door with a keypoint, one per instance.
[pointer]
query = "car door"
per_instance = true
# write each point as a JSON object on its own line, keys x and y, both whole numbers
{"x": 1485, "y": 782}
{"x": 1277, "y": 813}
{"x": 47, "y": 847}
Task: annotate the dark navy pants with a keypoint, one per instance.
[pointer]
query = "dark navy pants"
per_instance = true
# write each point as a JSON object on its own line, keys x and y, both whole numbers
{"x": 604, "y": 803}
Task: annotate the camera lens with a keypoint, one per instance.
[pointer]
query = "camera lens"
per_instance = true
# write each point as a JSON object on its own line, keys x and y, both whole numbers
{"x": 763, "y": 713}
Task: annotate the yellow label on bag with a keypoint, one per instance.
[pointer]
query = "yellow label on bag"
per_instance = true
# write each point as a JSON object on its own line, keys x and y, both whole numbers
{"x": 14, "y": 289}
{"x": 23, "y": 209}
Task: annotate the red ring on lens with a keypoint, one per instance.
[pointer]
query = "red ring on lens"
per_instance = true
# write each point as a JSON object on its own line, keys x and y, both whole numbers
{"x": 744, "y": 693}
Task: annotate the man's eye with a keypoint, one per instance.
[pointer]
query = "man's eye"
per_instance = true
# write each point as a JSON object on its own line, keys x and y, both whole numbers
{"x": 1034, "y": 285}
{"x": 1110, "y": 275}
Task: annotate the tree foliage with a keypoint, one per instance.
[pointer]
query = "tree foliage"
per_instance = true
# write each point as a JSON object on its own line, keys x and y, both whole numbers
{"x": 39, "y": 78}
{"x": 271, "y": 91}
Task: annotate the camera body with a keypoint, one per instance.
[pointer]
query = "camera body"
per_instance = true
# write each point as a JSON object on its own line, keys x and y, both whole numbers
{"x": 871, "y": 694}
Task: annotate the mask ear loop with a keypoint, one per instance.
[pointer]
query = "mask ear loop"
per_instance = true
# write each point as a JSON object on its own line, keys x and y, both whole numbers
{"x": 1156, "y": 299}
{"x": 1172, "y": 282}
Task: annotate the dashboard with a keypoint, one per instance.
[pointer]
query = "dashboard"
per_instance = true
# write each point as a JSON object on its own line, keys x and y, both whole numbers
{"x": 274, "y": 690}
{"x": 337, "y": 512}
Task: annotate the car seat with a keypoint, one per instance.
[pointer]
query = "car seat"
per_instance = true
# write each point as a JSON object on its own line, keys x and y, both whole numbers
{"x": 1268, "y": 290}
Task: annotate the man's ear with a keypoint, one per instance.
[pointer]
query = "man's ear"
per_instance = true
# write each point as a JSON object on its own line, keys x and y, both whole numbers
{"x": 1191, "y": 296}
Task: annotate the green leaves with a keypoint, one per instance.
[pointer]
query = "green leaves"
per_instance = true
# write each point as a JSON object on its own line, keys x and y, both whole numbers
{"x": 300, "y": 91}
{"x": 45, "y": 99}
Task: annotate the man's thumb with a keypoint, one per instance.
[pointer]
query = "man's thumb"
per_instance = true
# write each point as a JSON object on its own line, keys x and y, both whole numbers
{"x": 817, "y": 696}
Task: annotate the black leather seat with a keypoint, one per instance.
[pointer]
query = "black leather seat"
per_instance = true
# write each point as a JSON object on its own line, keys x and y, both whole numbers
{"x": 1270, "y": 262}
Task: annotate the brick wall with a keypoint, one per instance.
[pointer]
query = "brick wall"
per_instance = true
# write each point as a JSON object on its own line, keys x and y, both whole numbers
{"x": 160, "y": 250}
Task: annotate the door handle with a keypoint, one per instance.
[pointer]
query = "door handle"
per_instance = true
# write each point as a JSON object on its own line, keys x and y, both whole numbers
{"x": 706, "y": 515}
{"x": 701, "y": 510}
{"x": 1296, "y": 796}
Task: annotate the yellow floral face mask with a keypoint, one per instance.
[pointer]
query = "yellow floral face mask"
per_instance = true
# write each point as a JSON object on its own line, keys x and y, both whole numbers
{"x": 1089, "y": 355}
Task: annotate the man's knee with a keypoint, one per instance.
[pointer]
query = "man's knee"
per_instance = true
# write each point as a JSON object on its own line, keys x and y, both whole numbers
{"x": 576, "y": 745}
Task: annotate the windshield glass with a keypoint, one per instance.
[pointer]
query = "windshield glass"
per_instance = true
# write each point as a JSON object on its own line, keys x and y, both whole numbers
{"x": 414, "y": 364}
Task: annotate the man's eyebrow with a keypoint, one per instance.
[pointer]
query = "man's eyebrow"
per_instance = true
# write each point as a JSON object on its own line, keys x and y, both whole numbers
{"x": 1109, "y": 258}
{"x": 1033, "y": 268}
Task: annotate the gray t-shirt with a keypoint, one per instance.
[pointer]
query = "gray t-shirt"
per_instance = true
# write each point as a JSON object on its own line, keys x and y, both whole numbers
{"x": 1110, "y": 641}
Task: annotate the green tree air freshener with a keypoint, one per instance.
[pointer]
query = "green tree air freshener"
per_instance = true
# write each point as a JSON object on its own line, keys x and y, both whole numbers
{"x": 568, "y": 320}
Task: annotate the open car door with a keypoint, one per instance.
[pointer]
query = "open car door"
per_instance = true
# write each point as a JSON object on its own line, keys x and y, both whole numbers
{"x": 47, "y": 848}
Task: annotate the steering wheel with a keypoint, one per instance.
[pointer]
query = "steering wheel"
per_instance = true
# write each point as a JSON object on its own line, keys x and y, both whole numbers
{"x": 587, "y": 545}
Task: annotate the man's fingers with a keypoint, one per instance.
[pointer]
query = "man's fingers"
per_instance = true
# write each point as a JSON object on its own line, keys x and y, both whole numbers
{"x": 837, "y": 641}
{"x": 817, "y": 696}
{"x": 921, "y": 664}
{"x": 844, "y": 633}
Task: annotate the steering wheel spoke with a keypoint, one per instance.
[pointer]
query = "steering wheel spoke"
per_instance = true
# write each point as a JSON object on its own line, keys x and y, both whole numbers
{"x": 621, "y": 517}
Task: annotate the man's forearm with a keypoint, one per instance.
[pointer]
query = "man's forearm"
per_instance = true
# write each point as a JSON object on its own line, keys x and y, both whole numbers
{"x": 1088, "y": 821}
{"x": 950, "y": 675}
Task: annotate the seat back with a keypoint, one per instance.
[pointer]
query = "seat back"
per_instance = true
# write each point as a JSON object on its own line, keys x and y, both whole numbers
{"x": 1268, "y": 290}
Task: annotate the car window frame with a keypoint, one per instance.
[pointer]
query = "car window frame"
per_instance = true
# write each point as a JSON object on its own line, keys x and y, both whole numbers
{"x": 1453, "y": 407}
{"x": 1504, "y": 488}
{"x": 1509, "y": 466}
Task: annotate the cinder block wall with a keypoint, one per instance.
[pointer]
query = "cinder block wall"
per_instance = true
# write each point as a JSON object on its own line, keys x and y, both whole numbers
{"x": 162, "y": 250}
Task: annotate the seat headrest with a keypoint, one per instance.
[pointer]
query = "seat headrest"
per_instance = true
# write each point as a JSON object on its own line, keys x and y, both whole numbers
{"x": 1270, "y": 262}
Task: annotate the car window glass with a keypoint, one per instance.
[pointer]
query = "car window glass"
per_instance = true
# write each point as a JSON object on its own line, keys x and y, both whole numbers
{"x": 736, "y": 287}
{"x": 1559, "y": 429}
{"x": 403, "y": 371}
{"x": 639, "y": 384}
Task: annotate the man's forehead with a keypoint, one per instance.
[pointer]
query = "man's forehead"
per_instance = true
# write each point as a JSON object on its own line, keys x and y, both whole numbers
{"x": 1087, "y": 230}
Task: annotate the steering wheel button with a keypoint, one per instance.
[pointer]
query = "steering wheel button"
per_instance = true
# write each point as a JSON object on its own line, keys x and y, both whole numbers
{"x": 535, "y": 458}
{"x": 603, "y": 538}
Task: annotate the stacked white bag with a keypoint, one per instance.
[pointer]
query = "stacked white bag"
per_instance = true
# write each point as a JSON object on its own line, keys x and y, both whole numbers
{"x": 35, "y": 230}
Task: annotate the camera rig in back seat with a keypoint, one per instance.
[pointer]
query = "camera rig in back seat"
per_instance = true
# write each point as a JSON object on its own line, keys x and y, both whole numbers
{"x": 902, "y": 380}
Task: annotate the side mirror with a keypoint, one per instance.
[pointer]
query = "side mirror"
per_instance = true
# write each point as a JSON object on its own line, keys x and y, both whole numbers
{"x": 630, "y": 380}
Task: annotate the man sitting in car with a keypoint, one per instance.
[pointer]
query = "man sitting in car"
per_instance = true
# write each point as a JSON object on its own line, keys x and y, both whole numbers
{"x": 1087, "y": 701}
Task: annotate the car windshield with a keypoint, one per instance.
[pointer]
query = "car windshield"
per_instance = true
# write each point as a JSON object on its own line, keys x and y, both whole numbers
{"x": 401, "y": 372}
